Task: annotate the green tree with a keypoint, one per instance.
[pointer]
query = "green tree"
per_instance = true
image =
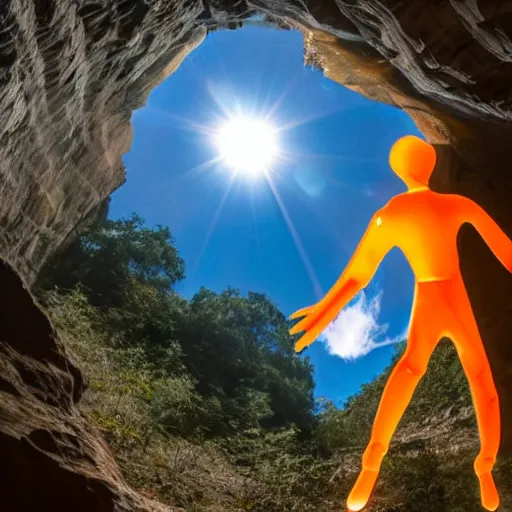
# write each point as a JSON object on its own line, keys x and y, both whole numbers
{"x": 236, "y": 350}
{"x": 110, "y": 254}
{"x": 239, "y": 351}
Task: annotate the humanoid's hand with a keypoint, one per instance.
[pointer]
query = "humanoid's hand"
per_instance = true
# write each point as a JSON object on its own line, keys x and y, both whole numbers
{"x": 302, "y": 312}
{"x": 319, "y": 316}
{"x": 299, "y": 326}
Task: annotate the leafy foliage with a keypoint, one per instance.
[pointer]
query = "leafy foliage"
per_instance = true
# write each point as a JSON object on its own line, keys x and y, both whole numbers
{"x": 111, "y": 254}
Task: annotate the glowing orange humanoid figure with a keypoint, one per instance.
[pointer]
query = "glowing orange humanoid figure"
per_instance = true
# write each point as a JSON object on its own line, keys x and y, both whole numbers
{"x": 424, "y": 225}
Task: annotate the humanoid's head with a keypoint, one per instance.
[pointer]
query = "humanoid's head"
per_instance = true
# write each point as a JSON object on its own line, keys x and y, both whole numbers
{"x": 413, "y": 160}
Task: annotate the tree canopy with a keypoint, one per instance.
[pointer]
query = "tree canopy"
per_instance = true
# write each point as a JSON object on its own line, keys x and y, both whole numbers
{"x": 104, "y": 260}
{"x": 236, "y": 349}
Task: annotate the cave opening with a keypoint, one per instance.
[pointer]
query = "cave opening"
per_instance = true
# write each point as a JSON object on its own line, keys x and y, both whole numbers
{"x": 287, "y": 231}
{"x": 72, "y": 72}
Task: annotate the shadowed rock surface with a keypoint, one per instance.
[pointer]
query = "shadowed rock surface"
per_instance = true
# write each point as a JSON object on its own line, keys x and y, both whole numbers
{"x": 71, "y": 72}
{"x": 52, "y": 458}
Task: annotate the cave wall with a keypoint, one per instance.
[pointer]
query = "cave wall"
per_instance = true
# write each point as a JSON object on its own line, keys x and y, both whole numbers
{"x": 51, "y": 457}
{"x": 71, "y": 73}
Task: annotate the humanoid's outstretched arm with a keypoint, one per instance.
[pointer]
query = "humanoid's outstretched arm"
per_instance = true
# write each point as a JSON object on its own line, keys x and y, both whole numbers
{"x": 372, "y": 248}
{"x": 494, "y": 237}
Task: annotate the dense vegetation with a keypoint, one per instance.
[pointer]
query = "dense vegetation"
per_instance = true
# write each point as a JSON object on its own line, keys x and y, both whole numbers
{"x": 206, "y": 404}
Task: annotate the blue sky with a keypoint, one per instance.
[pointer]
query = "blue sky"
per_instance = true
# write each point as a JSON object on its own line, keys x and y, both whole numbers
{"x": 335, "y": 177}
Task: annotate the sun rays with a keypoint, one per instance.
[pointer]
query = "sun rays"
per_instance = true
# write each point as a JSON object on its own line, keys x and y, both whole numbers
{"x": 296, "y": 239}
{"x": 246, "y": 142}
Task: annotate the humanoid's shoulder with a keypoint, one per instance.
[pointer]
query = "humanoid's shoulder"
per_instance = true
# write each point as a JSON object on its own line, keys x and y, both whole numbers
{"x": 396, "y": 202}
{"x": 422, "y": 197}
{"x": 395, "y": 208}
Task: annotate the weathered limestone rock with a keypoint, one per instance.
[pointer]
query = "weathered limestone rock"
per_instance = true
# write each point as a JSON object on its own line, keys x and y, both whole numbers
{"x": 51, "y": 458}
{"x": 72, "y": 71}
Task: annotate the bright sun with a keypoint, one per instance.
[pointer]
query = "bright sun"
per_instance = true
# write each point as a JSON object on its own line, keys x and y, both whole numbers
{"x": 247, "y": 145}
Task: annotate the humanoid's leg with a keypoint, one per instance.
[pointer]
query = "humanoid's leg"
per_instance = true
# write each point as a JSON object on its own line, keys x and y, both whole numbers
{"x": 466, "y": 338}
{"x": 404, "y": 378}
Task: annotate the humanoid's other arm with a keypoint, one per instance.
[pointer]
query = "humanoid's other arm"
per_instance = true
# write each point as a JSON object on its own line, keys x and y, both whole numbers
{"x": 494, "y": 237}
{"x": 372, "y": 248}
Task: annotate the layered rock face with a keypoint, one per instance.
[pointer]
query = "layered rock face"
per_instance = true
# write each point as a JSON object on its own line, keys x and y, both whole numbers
{"x": 71, "y": 73}
{"x": 51, "y": 458}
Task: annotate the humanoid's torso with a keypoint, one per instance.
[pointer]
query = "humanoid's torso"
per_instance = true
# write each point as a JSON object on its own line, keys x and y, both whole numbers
{"x": 424, "y": 225}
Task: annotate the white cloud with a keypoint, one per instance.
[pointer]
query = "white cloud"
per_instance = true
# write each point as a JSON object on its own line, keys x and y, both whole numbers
{"x": 357, "y": 331}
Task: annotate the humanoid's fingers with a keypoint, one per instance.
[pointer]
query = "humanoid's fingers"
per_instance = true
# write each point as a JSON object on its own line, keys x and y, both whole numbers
{"x": 301, "y": 312}
{"x": 306, "y": 340}
{"x": 303, "y": 325}
{"x": 297, "y": 328}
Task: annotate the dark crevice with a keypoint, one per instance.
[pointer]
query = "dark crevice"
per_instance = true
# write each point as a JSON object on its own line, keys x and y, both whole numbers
{"x": 8, "y": 387}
